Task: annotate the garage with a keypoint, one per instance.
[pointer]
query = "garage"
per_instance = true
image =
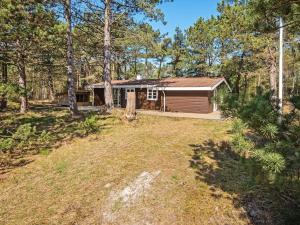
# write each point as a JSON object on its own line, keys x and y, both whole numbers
{"x": 189, "y": 101}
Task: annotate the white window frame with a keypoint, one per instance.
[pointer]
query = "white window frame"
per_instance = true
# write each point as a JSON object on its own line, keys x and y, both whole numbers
{"x": 150, "y": 94}
{"x": 128, "y": 90}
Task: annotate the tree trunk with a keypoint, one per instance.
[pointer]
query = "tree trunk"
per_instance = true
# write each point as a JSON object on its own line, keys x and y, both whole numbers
{"x": 176, "y": 60}
{"x": 135, "y": 65}
{"x": 107, "y": 57}
{"x": 125, "y": 71}
{"x": 272, "y": 70}
{"x": 50, "y": 84}
{"x": 70, "y": 73}
{"x": 3, "y": 100}
{"x": 130, "y": 113}
{"x": 83, "y": 74}
{"x": 246, "y": 87}
{"x": 238, "y": 79}
{"x": 22, "y": 84}
{"x": 294, "y": 74}
{"x": 118, "y": 70}
{"x": 4, "y": 72}
{"x": 159, "y": 68}
{"x": 146, "y": 63}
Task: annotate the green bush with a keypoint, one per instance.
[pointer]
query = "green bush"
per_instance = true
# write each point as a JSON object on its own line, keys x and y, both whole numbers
{"x": 274, "y": 148}
{"x": 90, "y": 124}
{"x": 238, "y": 126}
{"x": 240, "y": 144}
{"x": 296, "y": 101}
{"x": 45, "y": 137}
{"x": 22, "y": 137}
{"x": 6, "y": 144}
{"x": 271, "y": 162}
{"x": 259, "y": 112}
{"x": 269, "y": 131}
{"x": 24, "y": 132}
{"x": 231, "y": 105}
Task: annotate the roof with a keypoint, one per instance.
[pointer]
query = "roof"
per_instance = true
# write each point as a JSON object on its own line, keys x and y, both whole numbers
{"x": 203, "y": 83}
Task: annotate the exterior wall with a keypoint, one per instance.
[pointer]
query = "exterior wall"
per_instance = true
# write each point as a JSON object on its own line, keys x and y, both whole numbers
{"x": 176, "y": 101}
{"x": 143, "y": 103}
{"x": 123, "y": 100}
{"x": 189, "y": 101}
{"x": 99, "y": 98}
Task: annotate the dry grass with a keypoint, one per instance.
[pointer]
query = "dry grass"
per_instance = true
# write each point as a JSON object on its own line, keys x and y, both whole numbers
{"x": 71, "y": 185}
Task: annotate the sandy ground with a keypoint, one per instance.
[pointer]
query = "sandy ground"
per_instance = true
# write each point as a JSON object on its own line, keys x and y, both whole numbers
{"x": 209, "y": 116}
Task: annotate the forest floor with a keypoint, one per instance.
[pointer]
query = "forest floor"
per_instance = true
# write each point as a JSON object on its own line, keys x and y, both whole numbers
{"x": 155, "y": 170}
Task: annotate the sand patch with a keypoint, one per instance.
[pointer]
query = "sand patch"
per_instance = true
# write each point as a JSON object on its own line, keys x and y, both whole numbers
{"x": 119, "y": 202}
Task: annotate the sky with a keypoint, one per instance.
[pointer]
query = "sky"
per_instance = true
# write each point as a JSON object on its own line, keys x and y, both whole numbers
{"x": 184, "y": 13}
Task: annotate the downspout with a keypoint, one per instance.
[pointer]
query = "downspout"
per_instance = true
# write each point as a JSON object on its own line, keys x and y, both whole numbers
{"x": 163, "y": 91}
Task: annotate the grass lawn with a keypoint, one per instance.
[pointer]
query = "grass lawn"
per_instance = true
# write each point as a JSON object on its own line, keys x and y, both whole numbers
{"x": 197, "y": 179}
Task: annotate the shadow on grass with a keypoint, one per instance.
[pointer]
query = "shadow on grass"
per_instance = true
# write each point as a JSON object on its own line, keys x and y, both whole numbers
{"x": 221, "y": 168}
{"x": 57, "y": 122}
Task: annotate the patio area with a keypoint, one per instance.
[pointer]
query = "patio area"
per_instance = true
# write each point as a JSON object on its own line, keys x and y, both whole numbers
{"x": 210, "y": 116}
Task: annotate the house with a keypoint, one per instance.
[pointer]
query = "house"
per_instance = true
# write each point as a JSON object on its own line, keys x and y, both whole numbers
{"x": 82, "y": 98}
{"x": 189, "y": 95}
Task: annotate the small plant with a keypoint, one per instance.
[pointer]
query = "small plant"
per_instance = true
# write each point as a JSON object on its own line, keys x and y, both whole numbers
{"x": 24, "y": 134}
{"x": 61, "y": 166}
{"x": 272, "y": 163}
{"x": 90, "y": 124}
{"x": 45, "y": 137}
{"x": 45, "y": 151}
{"x": 238, "y": 126}
{"x": 241, "y": 145}
{"x": 6, "y": 144}
{"x": 269, "y": 131}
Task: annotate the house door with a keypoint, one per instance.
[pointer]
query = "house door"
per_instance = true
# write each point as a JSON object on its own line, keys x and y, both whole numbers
{"x": 117, "y": 97}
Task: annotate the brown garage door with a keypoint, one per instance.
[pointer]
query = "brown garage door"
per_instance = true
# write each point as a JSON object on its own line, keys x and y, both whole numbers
{"x": 188, "y": 101}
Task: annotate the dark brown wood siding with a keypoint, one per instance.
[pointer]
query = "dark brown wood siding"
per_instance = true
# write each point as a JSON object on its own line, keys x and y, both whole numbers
{"x": 123, "y": 100}
{"x": 176, "y": 101}
{"x": 99, "y": 96}
{"x": 189, "y": 101}
{"x": 143, "y": 103}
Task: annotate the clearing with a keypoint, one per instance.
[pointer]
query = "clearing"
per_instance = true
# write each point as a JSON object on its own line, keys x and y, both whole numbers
{"x": 156, "y": 170}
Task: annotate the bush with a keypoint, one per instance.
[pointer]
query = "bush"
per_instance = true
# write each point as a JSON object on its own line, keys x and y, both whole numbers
{"x": 259, "y": 112}
{"x": 90, "y": 124}
{"x": 274, "y": 148}
{"x": 271, "y": 162}
{"x": 269, "y": 131}
{"x": 23, "y": 137}
{"x": 238, "y": 126}
{"x": 24, "y": 134}
{"x": 6, "y": 144}
{"x": 231, "y": 105}
{"x": 45, "y": 137}
{"x": 241, "y": 145}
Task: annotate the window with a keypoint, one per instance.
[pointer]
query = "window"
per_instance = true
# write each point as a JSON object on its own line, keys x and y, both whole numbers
{"x": 117, "y": 97}
{"x": 152, "y": 94}
{"x": 129, "y": 90}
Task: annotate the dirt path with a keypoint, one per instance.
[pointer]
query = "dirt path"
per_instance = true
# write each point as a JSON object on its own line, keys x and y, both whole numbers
{"x": 156, "y": 171}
